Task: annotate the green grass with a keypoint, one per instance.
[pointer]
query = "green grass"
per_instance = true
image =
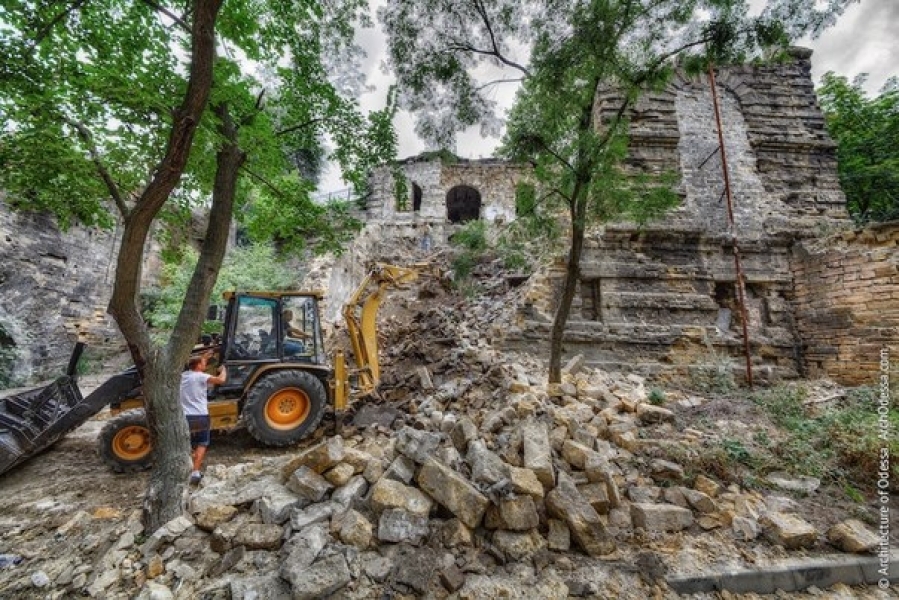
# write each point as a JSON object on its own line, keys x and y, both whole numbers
{"x": 713, "y": 373}
{"x": 839, "y": 444}
{"x": 472, "y": 236}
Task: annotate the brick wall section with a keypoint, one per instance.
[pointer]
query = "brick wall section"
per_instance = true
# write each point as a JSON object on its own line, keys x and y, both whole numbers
{"x": 847, "y": 302}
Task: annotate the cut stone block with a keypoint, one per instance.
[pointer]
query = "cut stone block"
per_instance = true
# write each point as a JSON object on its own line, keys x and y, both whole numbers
{"x": 417, "y": 445}
{"x": 518, "y": 545}
{"x": 356, "y": 530}
{"x": 538, "y": 452}
{"x": 453, "y": 492}
{"x": 558, "y": 537}
{"x": 788, "y": 530}
{"x": 519, "y": 513}
{"x": 259, "y": 536}
{"x": 398, "y": 525}
{"x": 566, "y": 504}
{"x": 596, "y": 494}
{"x": 486, "y": 467}
{"x": 308, "y": 484}
{"x": 387, "y": 494}
{"x": 853, "y": 536}
{"x": 661, "y": 517}
{"x": 321, "y": 579}
{"x": 524, "y": 481}
{"x": 319, "y": 458}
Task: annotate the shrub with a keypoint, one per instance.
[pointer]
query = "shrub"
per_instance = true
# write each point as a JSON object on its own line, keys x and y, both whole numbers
{"x": 656, "y": 396}
{"x": 472, "y": 236}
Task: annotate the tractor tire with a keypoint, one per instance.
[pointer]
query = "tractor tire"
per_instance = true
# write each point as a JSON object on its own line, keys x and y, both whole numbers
{"x": 125, "y": 442}
{"x": 284, "y": 407}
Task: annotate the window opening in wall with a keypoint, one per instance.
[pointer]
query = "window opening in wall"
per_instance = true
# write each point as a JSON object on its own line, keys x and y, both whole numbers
{"x": 724, "y": 298}
{"x": 591, "y": 299}
{"x": 416, "y": 197}
{"x": 591, "y": 295}
{"x": 463, "y": 203}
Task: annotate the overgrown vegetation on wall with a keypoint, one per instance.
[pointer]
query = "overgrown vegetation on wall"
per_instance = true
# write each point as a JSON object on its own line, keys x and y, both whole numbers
{"x": 477, "y": 243}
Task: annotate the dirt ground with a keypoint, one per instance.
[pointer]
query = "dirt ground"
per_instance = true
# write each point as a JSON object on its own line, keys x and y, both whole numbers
{"x": 41, "y": 495}
{"x": 71, "y": 476}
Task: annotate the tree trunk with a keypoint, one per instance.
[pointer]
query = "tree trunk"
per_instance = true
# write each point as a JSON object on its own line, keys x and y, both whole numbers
{"x": 577, "y": 206}
{"x": 166, "y": 494}
{"x": 160, "y": 370}
{"x": 563, "y": 311}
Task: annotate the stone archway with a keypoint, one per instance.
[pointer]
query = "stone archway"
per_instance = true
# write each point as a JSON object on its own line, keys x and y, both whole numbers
{"x": 416, "y": 197}
{"x": 463, "y": 203}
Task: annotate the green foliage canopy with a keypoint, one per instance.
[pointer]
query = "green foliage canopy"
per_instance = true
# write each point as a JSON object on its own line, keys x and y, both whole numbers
{"x": 866, "y": 131}
{"x": 251, "y": 267}
{"x": 147, "y": 108}
{"x": 87, "y": 92}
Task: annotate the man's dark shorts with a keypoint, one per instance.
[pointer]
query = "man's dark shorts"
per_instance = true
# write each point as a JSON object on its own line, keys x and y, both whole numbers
{"x": 199, "y": 430}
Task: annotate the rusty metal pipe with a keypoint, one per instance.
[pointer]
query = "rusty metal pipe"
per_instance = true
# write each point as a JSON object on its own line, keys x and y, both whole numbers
{"x": 741, "y": 292}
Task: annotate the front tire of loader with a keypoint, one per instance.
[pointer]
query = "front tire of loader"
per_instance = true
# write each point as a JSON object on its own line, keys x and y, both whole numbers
{"x": 125, "y": 442}
{"x": 284, "y": 407}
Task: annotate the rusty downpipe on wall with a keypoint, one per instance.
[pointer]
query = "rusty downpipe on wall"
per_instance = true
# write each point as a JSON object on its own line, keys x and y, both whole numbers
{"x": 741, "y": 291}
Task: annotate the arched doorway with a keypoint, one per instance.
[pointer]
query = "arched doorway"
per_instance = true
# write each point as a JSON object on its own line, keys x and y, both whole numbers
{"x": 463, "y": 203}
{"x": 416, "y": 197}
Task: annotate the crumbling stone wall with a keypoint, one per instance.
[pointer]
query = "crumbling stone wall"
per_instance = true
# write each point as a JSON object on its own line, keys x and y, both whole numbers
{"x": 662, "y": 299}
{"x": 847, "y": 302}
{"x": 54, "y": 288}
{"x": 493, "y": 180}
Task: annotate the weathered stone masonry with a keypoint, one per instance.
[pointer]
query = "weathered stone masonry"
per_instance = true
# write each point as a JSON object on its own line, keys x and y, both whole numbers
{"x": 847, "y": 303}
{"x": 662, "y": 299}
{"x": 54, "y": 287}
{"x": 434, "y": 186}
{"x": 659, "y": 300}
{"x": 54, "y": 290}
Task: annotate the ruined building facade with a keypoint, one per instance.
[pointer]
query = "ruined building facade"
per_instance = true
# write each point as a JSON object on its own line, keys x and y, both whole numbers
{"x": 822, "y": 298}
{"x": 662, "y": 299}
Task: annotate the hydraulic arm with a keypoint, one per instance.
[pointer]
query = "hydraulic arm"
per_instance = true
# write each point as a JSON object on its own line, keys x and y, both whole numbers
{"x": 360, "y": 313}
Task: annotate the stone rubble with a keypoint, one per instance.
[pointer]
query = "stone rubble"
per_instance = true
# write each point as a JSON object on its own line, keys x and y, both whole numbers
{"x": 487, "y": 483}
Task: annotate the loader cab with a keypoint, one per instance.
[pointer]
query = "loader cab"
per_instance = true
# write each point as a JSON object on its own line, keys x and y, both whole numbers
{"x": 257, "y": 332}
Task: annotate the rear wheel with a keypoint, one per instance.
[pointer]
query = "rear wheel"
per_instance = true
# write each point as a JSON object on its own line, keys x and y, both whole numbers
{"x": 125, "y": 442}
{"x": 284, "y": 407}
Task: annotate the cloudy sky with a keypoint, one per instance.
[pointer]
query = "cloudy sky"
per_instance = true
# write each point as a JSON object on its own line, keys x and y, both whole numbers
{"x": 865, "y": 40}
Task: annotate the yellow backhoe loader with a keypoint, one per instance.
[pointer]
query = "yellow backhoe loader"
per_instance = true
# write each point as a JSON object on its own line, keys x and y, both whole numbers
{"x": 280, "y": 378}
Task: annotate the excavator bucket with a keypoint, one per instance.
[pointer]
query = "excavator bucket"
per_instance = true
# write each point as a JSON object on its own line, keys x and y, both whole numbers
{"x": 30, "y": 421}
{"x": 33, "y": 420}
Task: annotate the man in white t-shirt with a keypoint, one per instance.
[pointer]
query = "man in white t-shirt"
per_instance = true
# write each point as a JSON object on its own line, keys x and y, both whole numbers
{"x": 194, "y": 384}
